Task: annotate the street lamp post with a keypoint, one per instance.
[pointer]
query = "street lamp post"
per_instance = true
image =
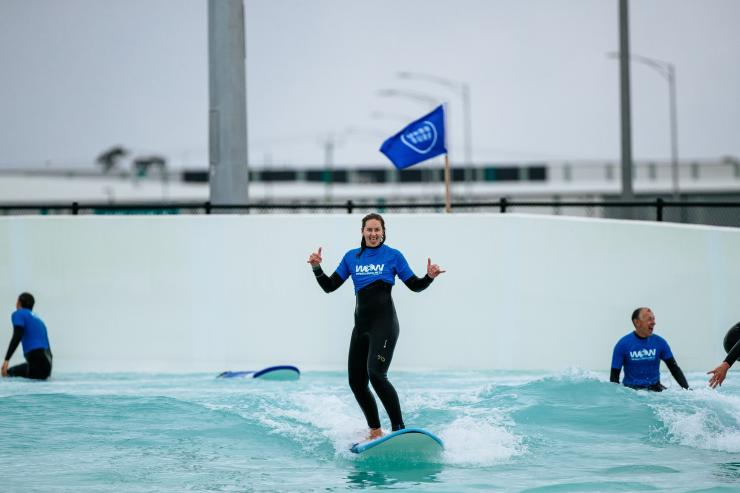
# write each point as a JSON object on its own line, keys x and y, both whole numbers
{"x": 392, "y": 116}
{"x": 427, "y": 99}
{"x": 433, "y": 102}
{"x": 668, "y": 71}
{"x": 464, "y": 89}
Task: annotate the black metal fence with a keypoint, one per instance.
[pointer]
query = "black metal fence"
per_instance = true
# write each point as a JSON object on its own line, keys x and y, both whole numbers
{"x": 718, "y": 213}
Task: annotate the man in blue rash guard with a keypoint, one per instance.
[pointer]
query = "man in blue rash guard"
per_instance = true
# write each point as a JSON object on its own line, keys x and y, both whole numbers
{"x": 30, "y": 331}
{"x": 640, "y": 353}
{"x": 373, "y": 268}
{"x": 732, "y": 347}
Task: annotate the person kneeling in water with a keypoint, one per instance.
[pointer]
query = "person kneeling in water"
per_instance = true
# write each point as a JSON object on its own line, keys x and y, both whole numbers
{"x": 29, "y": 330}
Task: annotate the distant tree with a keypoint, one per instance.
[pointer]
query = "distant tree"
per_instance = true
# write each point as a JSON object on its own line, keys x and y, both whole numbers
{"x": 143, "y": 164}
{"x": 110, "y": 158}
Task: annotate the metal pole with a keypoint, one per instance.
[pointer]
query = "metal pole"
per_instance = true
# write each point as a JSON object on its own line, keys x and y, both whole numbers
{"x": 674, "y": 130}
{"x": 328, "y": 166}
{"x": 468, "y": 137}
{"x": 418, "y": 96}
{"x": 668, "y": 71}
{"x": 659, "y": 209}
{"x": 468, "y": 125}
{"x": 448, "y": 201}
{"x": 227, "y": 114}
{"x": 624, "y": 70}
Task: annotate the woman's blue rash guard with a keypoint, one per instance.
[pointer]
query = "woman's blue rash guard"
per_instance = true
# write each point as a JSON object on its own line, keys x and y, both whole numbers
{"x": 376, "y": 327}
{"x": 382, "y": 263}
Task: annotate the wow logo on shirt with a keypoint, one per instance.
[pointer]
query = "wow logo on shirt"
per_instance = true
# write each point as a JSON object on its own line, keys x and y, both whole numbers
{"x": 643, "y": 354}
{"x": 369, "y": 269}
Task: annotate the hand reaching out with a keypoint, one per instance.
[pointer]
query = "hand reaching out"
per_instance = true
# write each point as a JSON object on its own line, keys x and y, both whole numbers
{"x": 718, "y": 375}
{"x": 433, "y": 270}
{"x": 315, "y": 258}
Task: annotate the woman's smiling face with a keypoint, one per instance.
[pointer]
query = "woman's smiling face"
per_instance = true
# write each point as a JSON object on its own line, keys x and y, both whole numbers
{"x": 373, "y": 233}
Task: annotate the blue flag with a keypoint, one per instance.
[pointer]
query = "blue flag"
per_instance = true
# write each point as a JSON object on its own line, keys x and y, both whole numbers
{"x": 418, "y": 141}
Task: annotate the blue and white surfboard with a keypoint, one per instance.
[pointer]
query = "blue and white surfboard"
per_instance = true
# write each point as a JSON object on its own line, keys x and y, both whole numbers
{"x": 279, "y": 372}
{"x": 410, "y": 443}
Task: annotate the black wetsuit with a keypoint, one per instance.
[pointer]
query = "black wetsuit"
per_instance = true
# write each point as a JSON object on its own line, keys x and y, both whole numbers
{"x": 372, "y": 343}
{"x": 38, "y": 361}
{"x": 732, "y": 344}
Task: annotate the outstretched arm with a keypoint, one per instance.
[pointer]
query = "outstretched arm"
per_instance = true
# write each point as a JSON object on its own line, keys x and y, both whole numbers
{"x": 733, "y": 355}
{"x": 328, "y": 284}
{"x": 417, "y": 285}
{"x": 677, "y": 373}
{"x": 17, "y": 336}
{"x": 719, "y": 373}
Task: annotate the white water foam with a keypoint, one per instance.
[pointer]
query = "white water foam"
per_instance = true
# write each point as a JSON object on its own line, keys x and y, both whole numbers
{"x": 704, "y": 419}
{"x": 479, "y": 441}
{"x": 314, "y": 417}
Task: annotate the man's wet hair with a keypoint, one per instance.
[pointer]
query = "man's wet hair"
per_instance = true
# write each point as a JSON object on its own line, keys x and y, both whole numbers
{"x": 26, "y": 300}
{"x": 636, "y": 313}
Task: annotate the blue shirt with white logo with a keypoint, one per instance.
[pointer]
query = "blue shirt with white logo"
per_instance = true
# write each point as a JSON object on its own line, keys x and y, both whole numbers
{"x": 640, "y": 358}
{"x": 380, "y": 263}
{"x": 34, "y": 330}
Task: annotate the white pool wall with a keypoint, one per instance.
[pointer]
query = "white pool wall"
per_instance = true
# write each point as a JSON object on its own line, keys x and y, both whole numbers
{"x": 209, "y": 293}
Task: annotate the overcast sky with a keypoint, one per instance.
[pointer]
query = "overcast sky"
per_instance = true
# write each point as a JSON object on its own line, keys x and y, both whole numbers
{"x": 78, "y": 76}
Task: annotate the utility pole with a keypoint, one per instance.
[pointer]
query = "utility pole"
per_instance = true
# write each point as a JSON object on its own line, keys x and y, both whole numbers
{"x": 227, "y": 115}
{"x": 624, "y": 71}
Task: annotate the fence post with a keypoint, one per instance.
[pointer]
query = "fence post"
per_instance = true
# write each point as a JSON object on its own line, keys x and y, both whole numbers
{"x": 502, "y": 205}
{"x": 207, "y": 207}
{"x": 75, "y": 208}
{"x": 350, "y": 206}
{"x": 659, "y": 209}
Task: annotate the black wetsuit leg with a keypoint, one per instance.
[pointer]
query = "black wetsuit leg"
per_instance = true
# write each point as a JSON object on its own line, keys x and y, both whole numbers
{"x": 359, "y": 345}
{"x": 371, "y": 352}
{"x": 18, "y": 370}
{"x": 37, "y": 365}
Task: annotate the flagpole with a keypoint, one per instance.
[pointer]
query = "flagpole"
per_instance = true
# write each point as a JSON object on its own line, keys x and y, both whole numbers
{"x": 448, "y": 202}
{"x": 448, "y": 205}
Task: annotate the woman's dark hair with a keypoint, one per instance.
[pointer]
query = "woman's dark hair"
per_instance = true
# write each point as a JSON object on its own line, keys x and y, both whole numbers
{"x": 365, "y": 219}
{"x": 26, "y": 300}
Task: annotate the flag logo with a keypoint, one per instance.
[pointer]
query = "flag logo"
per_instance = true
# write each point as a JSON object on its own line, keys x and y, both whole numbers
{"x": 421, "y": 139}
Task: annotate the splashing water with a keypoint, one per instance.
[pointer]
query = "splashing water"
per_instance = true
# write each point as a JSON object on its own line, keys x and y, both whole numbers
{"x": 505, "y": 431}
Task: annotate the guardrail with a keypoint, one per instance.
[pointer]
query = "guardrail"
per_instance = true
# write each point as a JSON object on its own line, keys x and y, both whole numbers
{"x": 643, "y": 209}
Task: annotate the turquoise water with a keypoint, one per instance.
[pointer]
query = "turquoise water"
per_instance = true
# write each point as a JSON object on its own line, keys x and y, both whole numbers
{"x": 503, "y": 431}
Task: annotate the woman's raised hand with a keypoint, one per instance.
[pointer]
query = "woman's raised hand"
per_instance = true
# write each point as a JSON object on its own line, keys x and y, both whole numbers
{"x": 433, "y": 270}
{"x": 315, "y": 258}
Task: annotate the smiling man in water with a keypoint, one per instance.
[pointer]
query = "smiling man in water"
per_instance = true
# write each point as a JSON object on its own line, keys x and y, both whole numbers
{"x": 640, "y": 353}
